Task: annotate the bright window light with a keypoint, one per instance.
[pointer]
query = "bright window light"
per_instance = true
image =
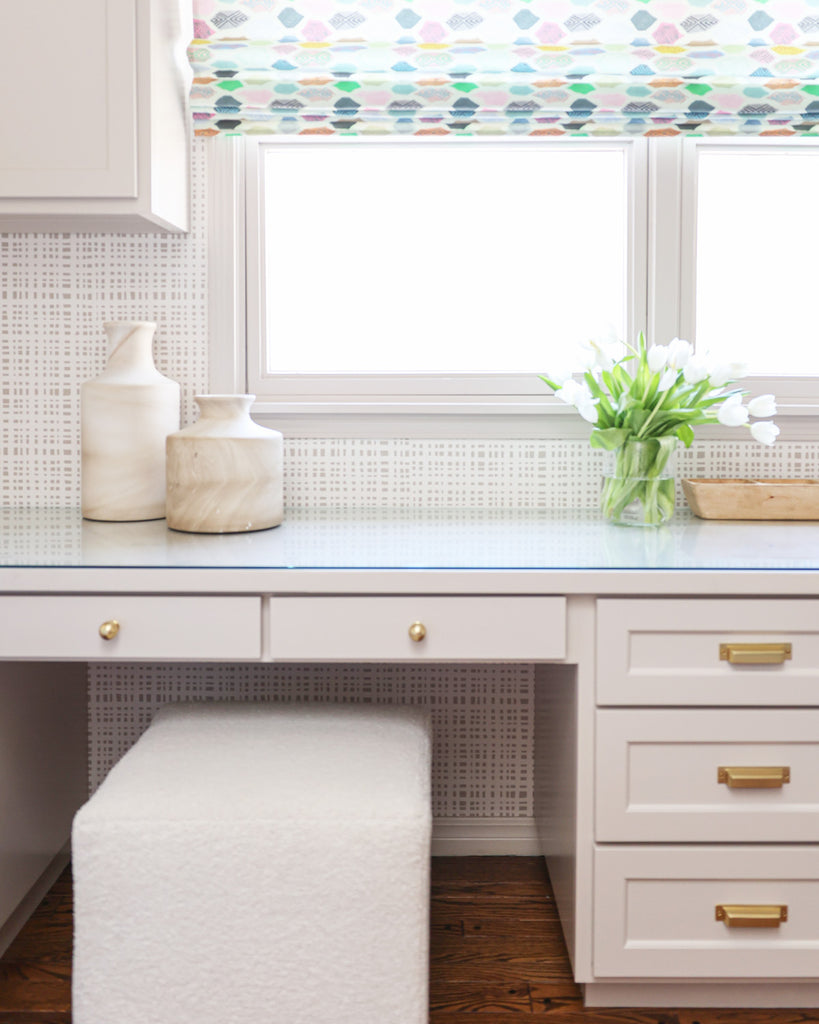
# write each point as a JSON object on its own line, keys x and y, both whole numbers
{"x": 757, "y": 225}
{"x": 474, "y": 258}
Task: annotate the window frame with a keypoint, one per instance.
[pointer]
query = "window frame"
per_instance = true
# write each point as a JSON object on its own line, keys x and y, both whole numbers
{"x": 796, "y": 395}
{"x": 396, "y": 388}
{"x": 661, "y": 291}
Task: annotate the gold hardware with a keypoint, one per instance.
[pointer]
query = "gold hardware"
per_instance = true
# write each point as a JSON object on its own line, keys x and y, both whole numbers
{"x": 109, "y": 629}
{"x": 417, "y": 632}
{"x": 755, "y": 654}
{"x": 753, "y": 778}
{"x": 760, "y": 915}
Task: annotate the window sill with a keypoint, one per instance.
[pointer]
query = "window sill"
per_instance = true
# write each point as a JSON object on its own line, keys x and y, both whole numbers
{"x": 479, "y": 420}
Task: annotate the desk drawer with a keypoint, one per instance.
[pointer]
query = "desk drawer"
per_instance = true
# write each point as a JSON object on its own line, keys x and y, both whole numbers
{"x": 454, "y": 628}
{"x": 668, "y": 652}
{"x": 65, "y": 628}
{"x": 655, "y": 911}
{"x": 658, "y": 777}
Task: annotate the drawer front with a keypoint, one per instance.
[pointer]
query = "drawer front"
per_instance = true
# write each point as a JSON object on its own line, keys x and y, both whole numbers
{"x": 655, "y": 912}
{"x": 454, "y": 628}
{"x": 668, "y": 652}
{"x": 659, "y": 779}
{"x": 64, "y": 628}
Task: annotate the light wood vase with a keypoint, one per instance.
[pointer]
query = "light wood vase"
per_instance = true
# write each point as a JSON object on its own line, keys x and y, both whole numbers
{"x": 127, "y": 412}
{"x": 224, "y": 473}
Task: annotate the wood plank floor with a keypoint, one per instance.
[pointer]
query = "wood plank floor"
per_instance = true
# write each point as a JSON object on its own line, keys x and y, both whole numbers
{"x": 496, "y": 951}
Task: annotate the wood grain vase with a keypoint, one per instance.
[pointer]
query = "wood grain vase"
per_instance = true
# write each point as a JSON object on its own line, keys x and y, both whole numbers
{"x": 126, "y": 414}
{"x": 224, "y": 473}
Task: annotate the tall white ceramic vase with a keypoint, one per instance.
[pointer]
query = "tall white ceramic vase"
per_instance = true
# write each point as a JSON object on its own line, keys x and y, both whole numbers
{"x": 127, "y": 412}
{"x": 224, "y": 472}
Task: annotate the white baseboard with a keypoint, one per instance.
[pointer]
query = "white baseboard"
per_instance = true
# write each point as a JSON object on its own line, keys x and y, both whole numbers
{"x": 498, "y": 837}
{"x": 786, "y": 992}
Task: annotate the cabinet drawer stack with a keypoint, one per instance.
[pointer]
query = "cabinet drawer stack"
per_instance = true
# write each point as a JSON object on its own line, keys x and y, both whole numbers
{"x": 707, "y": 789}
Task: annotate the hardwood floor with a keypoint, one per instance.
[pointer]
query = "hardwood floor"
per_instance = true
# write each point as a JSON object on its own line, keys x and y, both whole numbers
{"x": 496, "y": 951}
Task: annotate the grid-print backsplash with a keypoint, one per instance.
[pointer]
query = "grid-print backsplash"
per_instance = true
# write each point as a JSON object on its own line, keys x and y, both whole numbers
{"x": 482, "y": 758}
{"x": 56, "y": 291}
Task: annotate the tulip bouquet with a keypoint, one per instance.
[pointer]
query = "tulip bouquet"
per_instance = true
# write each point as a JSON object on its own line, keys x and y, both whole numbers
{"x": 642, "y": 404}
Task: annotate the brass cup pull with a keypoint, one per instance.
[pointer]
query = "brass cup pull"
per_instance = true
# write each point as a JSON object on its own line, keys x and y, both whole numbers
{"x": 739, "y": 777}
{"x": 755, "y": 654}
{"x": 109, "y": 629}
{"x": 417, "y": 632}
{"x": 761, "y": 915}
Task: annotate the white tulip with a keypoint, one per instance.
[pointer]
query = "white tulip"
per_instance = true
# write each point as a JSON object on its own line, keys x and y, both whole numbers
{"x": 668, "y": 379}
{"x": 762, "y": 406}
{"x": 580, "y": 397}
{"x": 587, "y": 357}
{"x": 696, "y": 370}
{"x": 766, "y": 432}
{"x": 738, "y": 371}
{"x": 732, "y": 413}
{"x": 568, "y": 393}
{"x": 603, "y": 354}
{"x": 596, "y": 355}
{"x": 679, "y": 352}
{"x": 657, "y": 357}
{"x": 720, "y": 375}
{"x": 560, "y": 375}
{"x": 587, "y": 407}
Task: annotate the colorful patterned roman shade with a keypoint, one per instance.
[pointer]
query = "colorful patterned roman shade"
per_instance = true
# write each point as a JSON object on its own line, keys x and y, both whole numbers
{"x": 506, "y": 67}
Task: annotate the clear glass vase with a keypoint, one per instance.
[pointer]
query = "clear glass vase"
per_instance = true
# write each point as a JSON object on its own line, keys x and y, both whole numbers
{"x": 639, "y": 482}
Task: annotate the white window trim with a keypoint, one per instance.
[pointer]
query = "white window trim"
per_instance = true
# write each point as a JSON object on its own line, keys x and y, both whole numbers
{"x": 661, "y": 261}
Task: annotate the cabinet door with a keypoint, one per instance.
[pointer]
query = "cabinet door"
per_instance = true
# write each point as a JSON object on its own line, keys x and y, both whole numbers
{"x": 72, "y": 71}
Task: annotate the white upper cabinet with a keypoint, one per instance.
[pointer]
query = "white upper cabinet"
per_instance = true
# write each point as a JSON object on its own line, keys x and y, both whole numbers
{"x": 100, "y": 137}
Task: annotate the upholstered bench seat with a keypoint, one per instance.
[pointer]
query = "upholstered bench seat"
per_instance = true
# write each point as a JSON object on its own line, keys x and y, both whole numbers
{"x": 258, "y": 864}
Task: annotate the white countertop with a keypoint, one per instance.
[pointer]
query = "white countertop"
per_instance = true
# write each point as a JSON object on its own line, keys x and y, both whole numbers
{"x": 567, "y": 546}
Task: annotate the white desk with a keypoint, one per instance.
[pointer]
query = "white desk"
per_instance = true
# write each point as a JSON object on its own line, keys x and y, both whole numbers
{"x": 636, "y": 710}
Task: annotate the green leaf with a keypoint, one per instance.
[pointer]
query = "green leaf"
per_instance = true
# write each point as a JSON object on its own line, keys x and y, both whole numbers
{"x": 635, "y": 419}
{"x": 593, "y": 385}
{"x": 612, "y": 385}
{"x": 686, "y": 434}
{"x": 608, "y": 439}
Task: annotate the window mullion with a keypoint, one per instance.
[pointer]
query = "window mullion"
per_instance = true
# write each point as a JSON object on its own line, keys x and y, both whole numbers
{"x": 637, "y": 264}
{"x": 665, "y": 240}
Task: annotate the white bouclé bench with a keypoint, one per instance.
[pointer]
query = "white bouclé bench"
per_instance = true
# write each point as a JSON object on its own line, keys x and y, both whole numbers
{"x": 258, "y": 864}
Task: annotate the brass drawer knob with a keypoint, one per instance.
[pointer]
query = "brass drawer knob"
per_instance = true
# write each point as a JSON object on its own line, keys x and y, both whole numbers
{"x": 417, "y": 632}
{"x": 755, "y": 654}
{"x": 758, "y": 915}
{"x": 748, "y": 777}
{"x": 109, "y": 629}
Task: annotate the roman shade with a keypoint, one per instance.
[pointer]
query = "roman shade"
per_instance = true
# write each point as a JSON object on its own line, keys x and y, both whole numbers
{"x": 506, "y": 67}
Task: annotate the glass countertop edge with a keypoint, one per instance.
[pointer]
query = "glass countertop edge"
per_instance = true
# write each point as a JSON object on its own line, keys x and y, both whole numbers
{"x": 442, "y": 540}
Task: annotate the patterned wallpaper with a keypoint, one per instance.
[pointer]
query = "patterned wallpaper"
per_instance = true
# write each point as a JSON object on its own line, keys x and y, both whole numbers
{"x": 56, "y": 291}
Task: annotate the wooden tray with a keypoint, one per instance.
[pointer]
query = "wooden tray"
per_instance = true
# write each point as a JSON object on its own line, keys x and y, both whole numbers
{"x": 753, "y": 499}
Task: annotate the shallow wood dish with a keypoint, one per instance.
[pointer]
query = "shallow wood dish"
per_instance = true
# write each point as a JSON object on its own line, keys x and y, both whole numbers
{"x": 753, "y": 499}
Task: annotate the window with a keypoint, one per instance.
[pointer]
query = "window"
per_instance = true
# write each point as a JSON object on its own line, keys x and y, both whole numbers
{"x": 441, "y": 277}
{"x": 432, "y": 268}
{"x": 751, "y": 263}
